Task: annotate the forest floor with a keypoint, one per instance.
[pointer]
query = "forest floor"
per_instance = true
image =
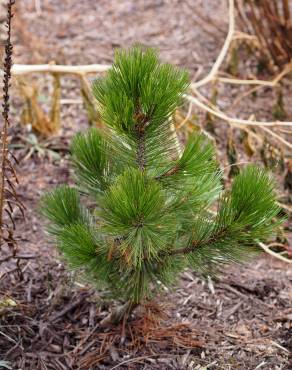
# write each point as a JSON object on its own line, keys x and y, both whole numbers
{"x": 241, "y": 320}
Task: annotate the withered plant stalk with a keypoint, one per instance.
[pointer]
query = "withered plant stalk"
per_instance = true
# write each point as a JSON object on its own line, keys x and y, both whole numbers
{"x": 8, "y": 195}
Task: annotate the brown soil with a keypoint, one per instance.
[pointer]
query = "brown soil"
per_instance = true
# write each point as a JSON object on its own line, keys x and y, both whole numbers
{"x": 240, "y": 321}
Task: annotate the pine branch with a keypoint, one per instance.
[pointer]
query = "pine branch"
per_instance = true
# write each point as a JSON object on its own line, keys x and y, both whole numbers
{"x": 246, "y": 213}
{"x": 136, "y": 99}
{"x": 199, "y": 244}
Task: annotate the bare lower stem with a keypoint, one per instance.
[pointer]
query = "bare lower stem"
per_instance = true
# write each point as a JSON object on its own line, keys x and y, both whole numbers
{"x": 119, "y": 314}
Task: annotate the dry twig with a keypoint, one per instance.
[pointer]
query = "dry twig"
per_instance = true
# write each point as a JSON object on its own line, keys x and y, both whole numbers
{"x": 21, "y": 69}
{"x": 267, "y": 249}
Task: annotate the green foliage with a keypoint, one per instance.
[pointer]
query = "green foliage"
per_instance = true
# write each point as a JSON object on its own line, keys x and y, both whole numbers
{"x": 139, "y": 84}
{"x": 90, "y": 156}
{"x": 137, "y": 98}
{"x": 135, "y": 207}
{"x": 151, "y": 216}
{"x": 247, "y": 213}
{"x": 62, "y": 208}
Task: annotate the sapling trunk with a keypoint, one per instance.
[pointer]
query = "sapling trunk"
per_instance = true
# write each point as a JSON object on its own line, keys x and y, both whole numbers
{"x": 119, "y": 314}
{"x": 152, "y": 217}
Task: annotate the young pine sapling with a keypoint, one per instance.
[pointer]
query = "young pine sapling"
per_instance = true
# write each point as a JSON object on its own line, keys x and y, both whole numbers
{"x": 151, "y": 216}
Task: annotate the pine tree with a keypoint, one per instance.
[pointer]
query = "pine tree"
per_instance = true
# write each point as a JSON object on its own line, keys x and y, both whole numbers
{"x": 151, "y": 216}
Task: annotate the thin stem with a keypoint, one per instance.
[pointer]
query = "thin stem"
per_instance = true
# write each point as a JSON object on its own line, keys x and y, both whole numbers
{"x": 198, "y": 244}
